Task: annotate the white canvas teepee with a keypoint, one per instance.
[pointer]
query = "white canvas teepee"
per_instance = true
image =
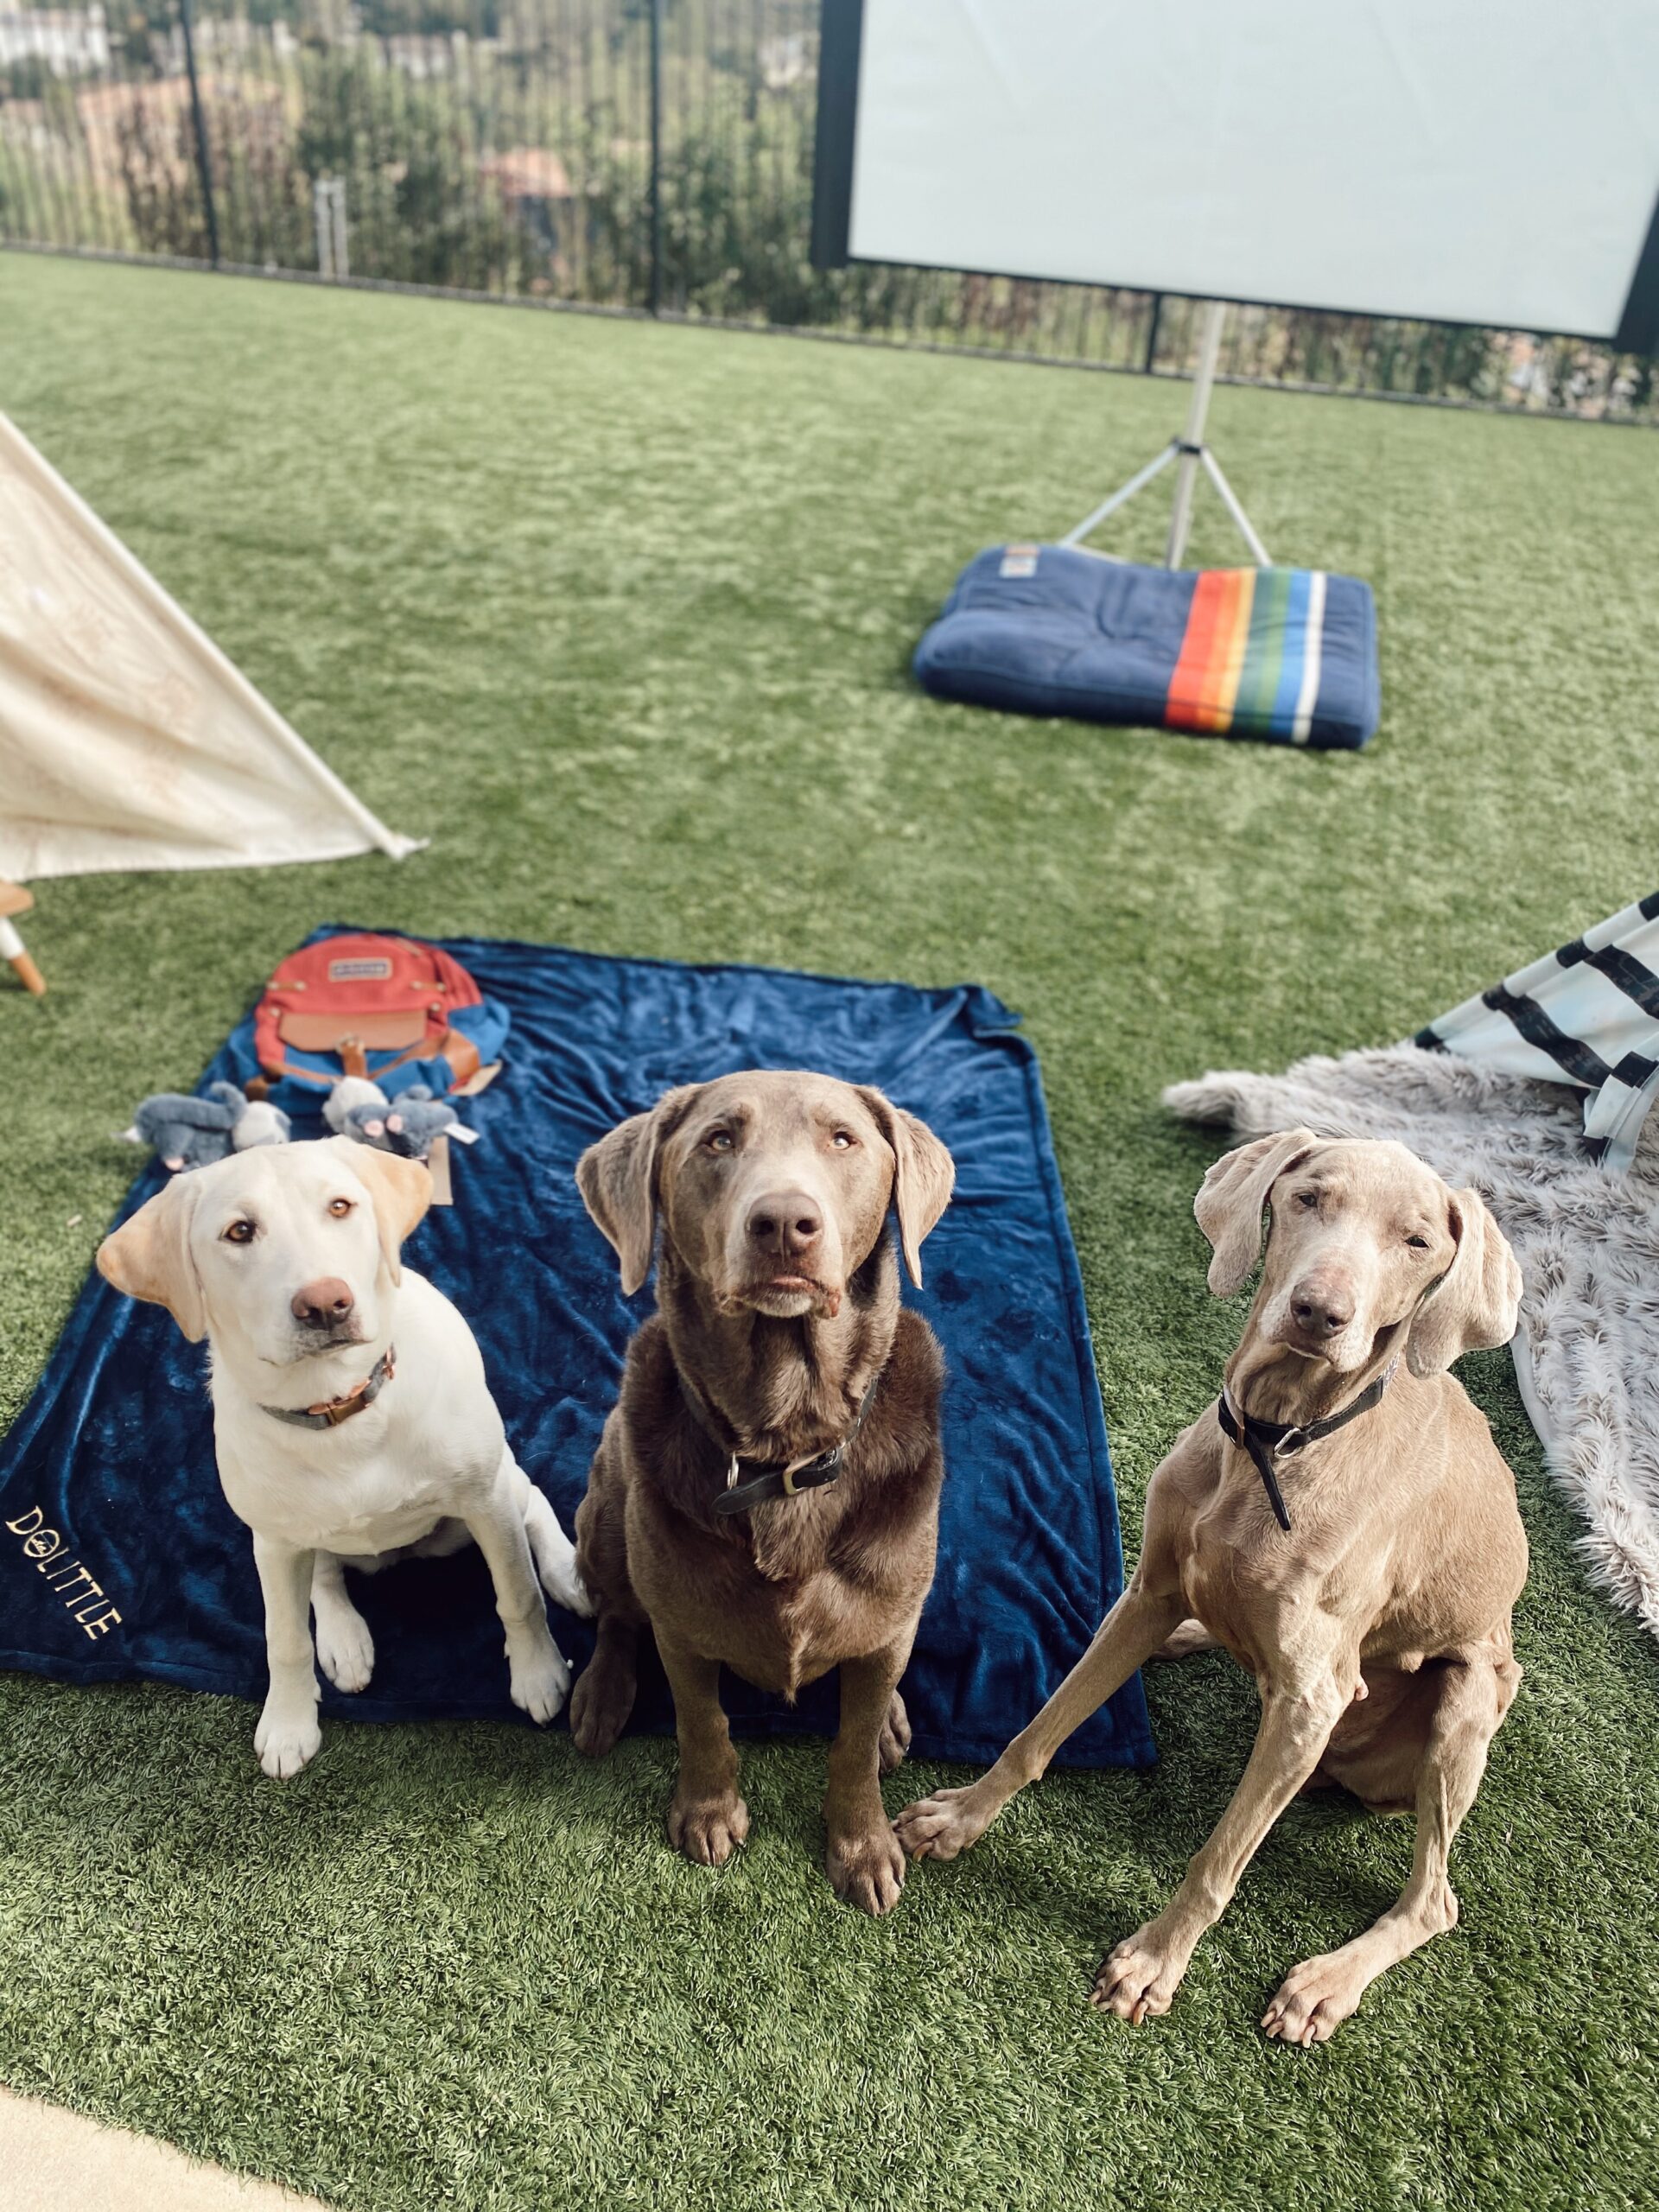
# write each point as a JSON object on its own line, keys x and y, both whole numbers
{"x": 127, "y": 740}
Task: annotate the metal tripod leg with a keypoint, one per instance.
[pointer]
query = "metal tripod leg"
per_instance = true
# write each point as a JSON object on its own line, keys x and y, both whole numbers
{"x": 1121, "y": 497}
{"x": 1259, "y": 552}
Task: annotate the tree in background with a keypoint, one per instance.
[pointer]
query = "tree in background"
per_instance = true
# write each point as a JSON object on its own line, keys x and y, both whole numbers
{"x": 421, "y": 212}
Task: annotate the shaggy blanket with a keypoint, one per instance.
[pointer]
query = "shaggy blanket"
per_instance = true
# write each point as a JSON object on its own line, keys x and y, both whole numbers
{"x": 1586, "y": 1353}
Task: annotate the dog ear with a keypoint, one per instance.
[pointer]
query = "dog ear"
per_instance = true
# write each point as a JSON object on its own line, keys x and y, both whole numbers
{"x": 149, "y": 1256}
{"x": 1228, "y": 1206}
{"x": 617, "y": 1178}
{"x": 400, "y": 1191}
{"x": 1476, "y": 1302}
{"x": 923, "y": 1175}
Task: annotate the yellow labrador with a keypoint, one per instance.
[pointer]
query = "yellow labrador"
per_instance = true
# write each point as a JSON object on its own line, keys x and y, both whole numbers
{"x": 1377, "y": 1623}
{"x": 351, "y": 1414}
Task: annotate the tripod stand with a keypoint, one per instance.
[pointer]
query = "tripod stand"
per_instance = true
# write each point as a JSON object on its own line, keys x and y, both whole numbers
{"x": 1191, "y": 452}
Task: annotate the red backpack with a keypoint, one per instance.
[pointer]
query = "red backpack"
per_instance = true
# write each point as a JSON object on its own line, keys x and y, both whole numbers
{"x": 367, "y": 1005}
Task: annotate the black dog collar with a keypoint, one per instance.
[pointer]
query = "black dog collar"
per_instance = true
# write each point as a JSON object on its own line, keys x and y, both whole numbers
{"x": 335, "y": 1410}
{"x": 750, "y": 1483}
{"x": 1267, "y": 1441}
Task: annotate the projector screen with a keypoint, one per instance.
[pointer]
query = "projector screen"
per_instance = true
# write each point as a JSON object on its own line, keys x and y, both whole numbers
{"x": 1460, "y": 161}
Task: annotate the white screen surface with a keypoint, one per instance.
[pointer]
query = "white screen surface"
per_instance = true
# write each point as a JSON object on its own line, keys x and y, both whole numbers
{"x": 1491, "y": 162}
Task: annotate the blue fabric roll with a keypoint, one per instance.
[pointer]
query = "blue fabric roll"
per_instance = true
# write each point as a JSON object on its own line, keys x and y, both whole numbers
{"x": 108, "y": 1477}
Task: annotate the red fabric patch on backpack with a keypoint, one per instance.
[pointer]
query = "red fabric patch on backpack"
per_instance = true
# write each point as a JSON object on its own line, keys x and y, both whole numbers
{"x": 389, "y": 994}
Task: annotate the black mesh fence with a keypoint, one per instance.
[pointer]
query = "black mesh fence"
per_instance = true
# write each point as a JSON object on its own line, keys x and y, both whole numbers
{"x": 506, "y": 147}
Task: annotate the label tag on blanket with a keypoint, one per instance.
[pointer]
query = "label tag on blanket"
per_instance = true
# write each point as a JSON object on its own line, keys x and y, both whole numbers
{"x": 437, "y": 1160}
{"x": 1018, "y": 561}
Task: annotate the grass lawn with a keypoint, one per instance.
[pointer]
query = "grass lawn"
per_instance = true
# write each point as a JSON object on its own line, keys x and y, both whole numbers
{"x": 620, "y": 616}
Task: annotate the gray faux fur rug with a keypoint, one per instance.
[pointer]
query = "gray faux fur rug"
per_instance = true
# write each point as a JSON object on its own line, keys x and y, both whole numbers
{"x": 1586, "y": 1353}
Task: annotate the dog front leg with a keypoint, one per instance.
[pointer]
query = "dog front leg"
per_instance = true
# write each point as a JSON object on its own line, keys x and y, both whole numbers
{"x": 538, "y": 1675}
{"x": 952, "y": 1820}
{"x": 344, "y": 1647}
{"x": 1142, "y": 1974}
{"x": 1316, "y": 1996}
{"x": 707, "y": 1820}
{"x": 864, "y": 1860}
{"x": 603, "y": 1697}
{"x": 288, "y": 1734}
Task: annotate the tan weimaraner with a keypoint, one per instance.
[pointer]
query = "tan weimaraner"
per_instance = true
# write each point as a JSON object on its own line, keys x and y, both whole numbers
{"x": 1377, "y": 1623}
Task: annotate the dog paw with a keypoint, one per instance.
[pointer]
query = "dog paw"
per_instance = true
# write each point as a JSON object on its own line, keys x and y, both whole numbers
{"x": 1139, "y": 1978}
{"x": 345, "y": 1650}
{"x": 573, "y": 1594}
{"x": 1314, "y": 1999}
{"x": 707, "y": 1829}
{"x": 940, "y": 1825}
{"x": 600, "y": 1705}
{"x": 559, "y": 1576}
{"x": 287, "y": 1739}
{"x": 540, "y": 1681}
{"x": 895, "y": 1736}
{"x": 867, "y": 1871}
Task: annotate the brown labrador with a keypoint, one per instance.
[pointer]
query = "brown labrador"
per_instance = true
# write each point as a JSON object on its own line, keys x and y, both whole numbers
{"x": 778, "y": 1338}
{"x": 1377, "y": 1625}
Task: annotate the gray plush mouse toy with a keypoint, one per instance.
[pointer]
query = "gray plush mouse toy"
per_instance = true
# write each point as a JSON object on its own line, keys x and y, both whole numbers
{"x": 407, "y": 1124}
{"x": 188, "y": 1132}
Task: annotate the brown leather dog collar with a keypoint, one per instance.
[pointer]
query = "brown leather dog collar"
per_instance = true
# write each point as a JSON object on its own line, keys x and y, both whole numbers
{"x": 332, "y": 1411}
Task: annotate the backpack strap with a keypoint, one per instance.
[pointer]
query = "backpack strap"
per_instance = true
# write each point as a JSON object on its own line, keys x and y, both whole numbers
{"x": 455, "y": 1047}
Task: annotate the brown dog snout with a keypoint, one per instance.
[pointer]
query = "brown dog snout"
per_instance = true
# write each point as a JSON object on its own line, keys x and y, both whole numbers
{"x": 785, "y": 1224}
{"x": 322, "y": 1304}
{"x": 1321, "y": 1307}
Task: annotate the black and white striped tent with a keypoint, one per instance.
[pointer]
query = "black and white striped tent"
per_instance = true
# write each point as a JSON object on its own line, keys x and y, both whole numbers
{"x": 1587, "y": 1014}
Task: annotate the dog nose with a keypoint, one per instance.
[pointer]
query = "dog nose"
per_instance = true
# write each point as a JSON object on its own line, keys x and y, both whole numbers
{"x": 1320, "y": 1309}
{"x": 788, "y": 1222}
{"x": 319, "y": 1303}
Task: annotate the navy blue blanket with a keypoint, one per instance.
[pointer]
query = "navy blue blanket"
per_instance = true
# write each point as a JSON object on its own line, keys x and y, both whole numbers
{"x": 119, "y": 1557}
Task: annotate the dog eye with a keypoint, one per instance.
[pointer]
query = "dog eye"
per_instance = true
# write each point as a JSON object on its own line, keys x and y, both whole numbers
{"x": 1418, "y": 1243}
{"x": 843, "y": 1140}
{"x": 719, "y": 1140}
{"x": 1307, "y": 1198}
{"x": 339, "y": 1208}
{"x": 239, "y": 1232}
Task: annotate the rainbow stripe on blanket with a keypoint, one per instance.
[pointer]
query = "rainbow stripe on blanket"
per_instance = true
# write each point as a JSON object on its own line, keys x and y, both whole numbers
{"x": 1249, "y": 659}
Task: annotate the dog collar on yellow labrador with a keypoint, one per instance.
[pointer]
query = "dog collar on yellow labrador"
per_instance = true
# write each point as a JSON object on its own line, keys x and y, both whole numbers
{"x": 750, "y": 1482}
{"x": 335, "y": 1410}
{"x": 1267, "y": 1441}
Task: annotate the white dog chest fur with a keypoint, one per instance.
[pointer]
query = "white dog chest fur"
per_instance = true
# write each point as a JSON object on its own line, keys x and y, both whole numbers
{"x": 386, "y": 1477}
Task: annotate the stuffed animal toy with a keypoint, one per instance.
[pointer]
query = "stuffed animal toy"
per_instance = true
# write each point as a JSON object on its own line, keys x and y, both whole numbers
{"x": 409, "y": 1125}
{"x": 187, "y": 1132}
{"x": 260, "y": 1123}
{"x": 351, "y": 1091}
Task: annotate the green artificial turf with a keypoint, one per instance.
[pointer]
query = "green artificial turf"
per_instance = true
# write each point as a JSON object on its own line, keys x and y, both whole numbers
{"x": 619, "y": 617}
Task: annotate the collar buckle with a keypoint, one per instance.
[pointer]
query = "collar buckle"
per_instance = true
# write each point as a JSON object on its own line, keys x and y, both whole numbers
{"x": 740, "y": 1495}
